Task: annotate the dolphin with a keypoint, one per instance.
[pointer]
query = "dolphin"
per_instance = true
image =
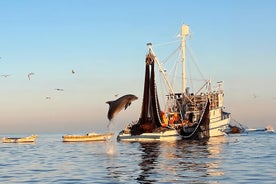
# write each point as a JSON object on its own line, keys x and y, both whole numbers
{"x": 117, "y": 105}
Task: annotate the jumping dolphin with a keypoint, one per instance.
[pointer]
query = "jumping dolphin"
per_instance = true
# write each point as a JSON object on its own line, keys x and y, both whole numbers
{"x": 117, "y": 105}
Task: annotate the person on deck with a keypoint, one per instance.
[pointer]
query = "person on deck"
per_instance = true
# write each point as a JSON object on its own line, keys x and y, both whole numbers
{"x": 164, "y": 119}
{"x": 174, "y": 118}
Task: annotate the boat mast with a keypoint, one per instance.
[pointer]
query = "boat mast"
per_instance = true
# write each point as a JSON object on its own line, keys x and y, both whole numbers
{"x": 183, "y": 34}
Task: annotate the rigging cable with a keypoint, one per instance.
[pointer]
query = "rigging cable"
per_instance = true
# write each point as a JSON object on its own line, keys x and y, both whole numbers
{"x": 166, "y": 43}
{"x": 195, "y": 62}
{"x": 199, "y": 122}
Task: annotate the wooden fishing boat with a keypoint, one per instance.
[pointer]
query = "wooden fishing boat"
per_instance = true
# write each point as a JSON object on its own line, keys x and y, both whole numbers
{"x": 87, "y": 137}
{"x": 235, "y": 128}
{"x": 28, "y": 139}
{"x": 194, "y": 115}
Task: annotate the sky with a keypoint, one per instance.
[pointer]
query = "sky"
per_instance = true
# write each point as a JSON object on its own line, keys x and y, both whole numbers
{"x": 104, "y": 42}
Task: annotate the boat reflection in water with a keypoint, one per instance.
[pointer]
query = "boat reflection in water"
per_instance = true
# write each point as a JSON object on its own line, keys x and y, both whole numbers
{"x": 181, "y": 161}
{"x": 215, "y": 149}
{"x": 149, "y": 161}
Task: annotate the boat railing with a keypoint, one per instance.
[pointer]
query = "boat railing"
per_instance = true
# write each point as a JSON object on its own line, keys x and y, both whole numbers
{"x": 225, "y": 115}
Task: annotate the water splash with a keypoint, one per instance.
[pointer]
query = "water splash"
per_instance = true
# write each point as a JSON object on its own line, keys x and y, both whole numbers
{"x": 110, "y": 143}
{"x": 111, "y": 148}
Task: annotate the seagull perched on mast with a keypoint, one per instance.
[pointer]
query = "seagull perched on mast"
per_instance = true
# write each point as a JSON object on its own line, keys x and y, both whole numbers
{"x": 29, "y": 75}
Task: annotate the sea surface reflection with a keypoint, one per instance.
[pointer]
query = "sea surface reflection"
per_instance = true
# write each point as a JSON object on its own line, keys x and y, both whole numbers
{"x": 149, "y": 161}
{"x": 231, "y": 159}
{"x": 180, "y": 161}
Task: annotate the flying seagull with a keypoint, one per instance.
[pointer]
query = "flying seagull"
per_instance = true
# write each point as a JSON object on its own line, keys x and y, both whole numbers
{"x": 5, "y": 75}
{"x": 73, "y": 72}
{"x": 255, "y": 96}
{"x": 29, "y": 75}
{"x": 59, "y": 89}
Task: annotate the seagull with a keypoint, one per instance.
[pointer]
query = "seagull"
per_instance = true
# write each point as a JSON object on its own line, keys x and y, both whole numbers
{"x": 48, "y": 98}
{"x": 255, "y": 96}
{"x": 59, "y": 89}
{"x": 5, "y": 75}
{"x": 73, "y": 72}
{"x": 29, "y": 75}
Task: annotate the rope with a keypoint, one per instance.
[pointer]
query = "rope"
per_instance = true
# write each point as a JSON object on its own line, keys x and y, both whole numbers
{"x": 198, "y": 123}
{"x": 172, "y": 54}
{"x": 195, "y": 61}
{"x": 237, "y": 122}
{"x": 166, "y": 43}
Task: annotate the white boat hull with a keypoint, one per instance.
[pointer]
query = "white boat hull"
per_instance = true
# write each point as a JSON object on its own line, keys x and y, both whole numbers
{"x": 217, "y": 128}
{"x": 169, "y": 135}
{"x": 269, "y": 130}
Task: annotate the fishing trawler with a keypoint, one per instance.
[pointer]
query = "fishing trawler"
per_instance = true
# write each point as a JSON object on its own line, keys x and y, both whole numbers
{"x": 186, "y": 115}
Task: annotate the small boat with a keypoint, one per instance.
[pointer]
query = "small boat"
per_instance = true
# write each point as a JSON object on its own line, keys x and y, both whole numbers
{"x": 268, "y": 129}
{"x": 28, "y": 139}
{"x": 255, "y": 129}
{"x": 185, "y": 114}
{"x": 235, "y": 128}
{"x": 87, "y": 137}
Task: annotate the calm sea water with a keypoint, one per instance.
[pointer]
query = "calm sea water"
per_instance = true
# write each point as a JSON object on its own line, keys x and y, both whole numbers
{"x": 246, "y": 158}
